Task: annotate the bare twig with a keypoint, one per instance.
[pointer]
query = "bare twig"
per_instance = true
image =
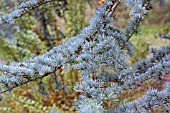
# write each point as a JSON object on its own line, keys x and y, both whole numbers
{"x": 114, "y": 7}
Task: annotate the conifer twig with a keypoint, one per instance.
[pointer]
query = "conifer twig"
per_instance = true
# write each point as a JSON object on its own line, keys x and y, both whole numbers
{"x": 25, "y": 82}
{"x": 21, "y": 10}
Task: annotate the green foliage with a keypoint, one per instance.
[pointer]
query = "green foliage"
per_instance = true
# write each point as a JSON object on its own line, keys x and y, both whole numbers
{"x": 25, "y": 46}
{"x": 8, "y": 51}
{"x": 23, "y": 104}
{"x": 75, "y": 17}
{"x": 141, "y": 50}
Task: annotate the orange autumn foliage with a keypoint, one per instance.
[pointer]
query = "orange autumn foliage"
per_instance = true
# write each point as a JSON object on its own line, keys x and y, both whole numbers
{"x": 101, "y": 2}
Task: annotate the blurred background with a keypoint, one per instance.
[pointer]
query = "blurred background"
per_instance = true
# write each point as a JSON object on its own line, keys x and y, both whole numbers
{"x": 54, "y": 23}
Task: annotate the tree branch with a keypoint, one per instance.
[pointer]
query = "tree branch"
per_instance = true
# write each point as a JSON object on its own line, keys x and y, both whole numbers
{"x": 25, "y": 82}
{"x": 21, "y": 10}
{"x": 55, "y": 58}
